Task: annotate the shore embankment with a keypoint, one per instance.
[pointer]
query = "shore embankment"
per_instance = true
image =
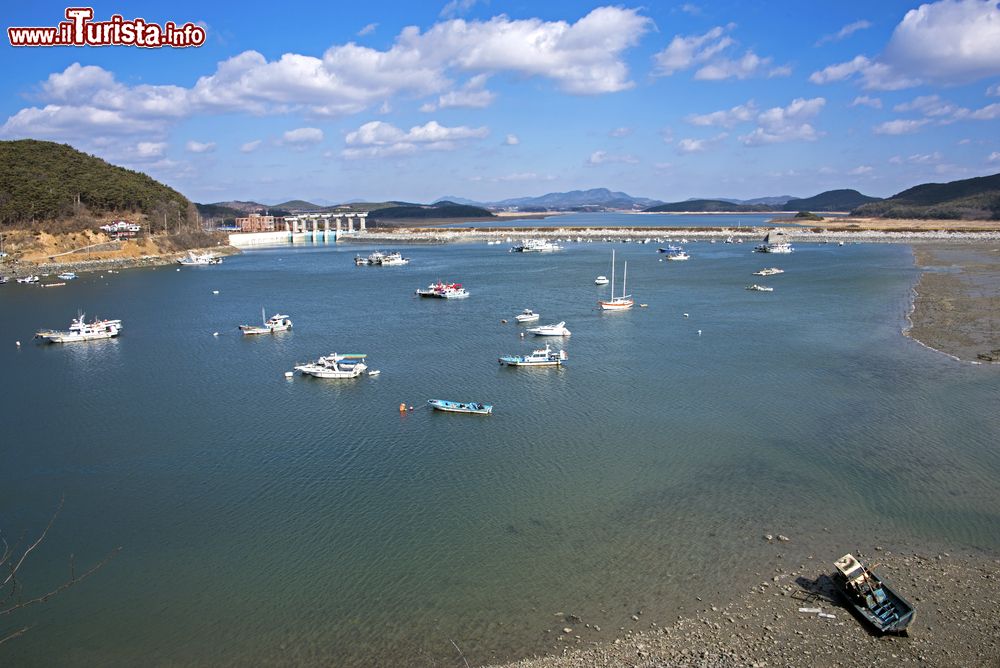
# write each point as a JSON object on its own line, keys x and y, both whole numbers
{"x": 956, "y": 597}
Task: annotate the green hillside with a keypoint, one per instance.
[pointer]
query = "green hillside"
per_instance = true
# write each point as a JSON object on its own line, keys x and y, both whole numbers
{"x": 443, "y": 209}
{"x": 831, "y": 200}
{"x": 708, "y": 205}
{"x": 970, "y": 199}
{"x": 43, "y": 181}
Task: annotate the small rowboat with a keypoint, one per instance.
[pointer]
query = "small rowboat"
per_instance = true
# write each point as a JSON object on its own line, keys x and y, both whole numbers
{"x": 871, "y": 596}
{"x": 460, "y": 407}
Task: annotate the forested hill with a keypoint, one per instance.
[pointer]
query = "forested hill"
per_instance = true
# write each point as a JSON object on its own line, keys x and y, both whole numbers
{"x": 831, "y": 200}
{"x": 975, "y": 199}
{"x": 44, "y": 181}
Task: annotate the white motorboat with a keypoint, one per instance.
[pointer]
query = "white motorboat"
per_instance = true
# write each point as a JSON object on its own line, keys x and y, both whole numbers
{"x": 527, "y": 315}
{"x": 536, "y": 246}
{"x": 79, "y": 330}
{"x": 335, "y": 366}
{"x": 546, "y": 356}
{"x": 394, "y": 260}
{"x": 193, "y": 259}
{"x": 774, "y": 248}
{"x": 770, "y": 271}
{"x": 601, "y": 280}
{"x": 623, "y": 302}
{"x": 444, "y": 291}
{"x": 678, "y": 256}
{"x": 67, "y": 276}
{"x": 759, "y": 288}
{"x": 380, "y": 259}
{"x": 27, "y": 280}
{"x": 559, "y": 329}
{"x": 276, "y": 323}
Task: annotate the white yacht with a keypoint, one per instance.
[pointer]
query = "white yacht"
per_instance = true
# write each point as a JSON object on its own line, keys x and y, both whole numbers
{"x": 558, "y": 329}
{"x": 25, "y": 280}
{"x": 623, "y": 302}
{"x": 537, "y": 246}
{"x": 395, "y": 259}
{"x": 527, "y": 315}
{"x": 276, "y": 323}
{"x": 67, "y": 276}
{"x": 601, "y": 280}
{"x": 335, "y": 366}
{"x": 380, "y": 259}
{"x": 769, "y": 271}
{"x": 546, "y": 356}
{"x": 79, "y": 330}
{"x": 195, "y": 259}
{"x": 444, "y": 291}
{"x": 678, "y": 256}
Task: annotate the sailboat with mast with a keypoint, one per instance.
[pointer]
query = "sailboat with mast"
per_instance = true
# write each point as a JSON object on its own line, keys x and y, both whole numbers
{"x": 617, "y": 303}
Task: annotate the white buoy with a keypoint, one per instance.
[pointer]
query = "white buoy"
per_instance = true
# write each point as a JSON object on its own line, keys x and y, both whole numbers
{"x": 522, "y": 335}
{"x": 699, "y": 332}
{"x": 17, "y": 343}
{"x": 215, "y": 292}
{"x": 289, "y": 374}
{"x": 178, "y": 269}
{"x": 685, "y": 315}
{"x": 215, "y": 333}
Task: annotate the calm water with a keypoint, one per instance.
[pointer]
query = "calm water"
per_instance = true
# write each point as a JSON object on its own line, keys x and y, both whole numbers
{"x": 308, "y": 522}
{"x": 604, "y": 219}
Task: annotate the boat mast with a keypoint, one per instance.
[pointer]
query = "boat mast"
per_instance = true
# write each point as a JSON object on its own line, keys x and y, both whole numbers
{"x": 263, "y": 318}
{"x": 612, "y": 274}
{"x": 624, "y": 279}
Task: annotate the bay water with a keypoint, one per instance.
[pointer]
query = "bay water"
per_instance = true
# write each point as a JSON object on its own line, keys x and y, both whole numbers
{"x": 309, "y": 522}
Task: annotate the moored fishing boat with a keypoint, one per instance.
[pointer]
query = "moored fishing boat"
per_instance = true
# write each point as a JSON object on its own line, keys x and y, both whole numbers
{"x": 444, "y": 291}
{"x": 546, "y": 356}
{"x": 26, "y": 280}
{"x": 559, "y": 329}
{"x": 601, "y": 280}
{"x": 67, "y": 276}
{"x": 872, "y": 597}
{"x": 276, "y": 323}
{"x": 335, "y": 365}
{"x": 536, "y": 246}
{"x": 460, "y": 406}
{"x": 527, "y": 315}
{"x": 678, "y": 256}
{"x": 759, "y": 288}
{"x": 770, "y": 271}
{"x": 80, "y": 330}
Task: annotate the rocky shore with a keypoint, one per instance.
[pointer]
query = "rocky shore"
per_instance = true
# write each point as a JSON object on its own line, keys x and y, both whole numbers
{"x": 957, "y": 598}
{"x": 956, "y": 307}
{"x": 17, "y": 269}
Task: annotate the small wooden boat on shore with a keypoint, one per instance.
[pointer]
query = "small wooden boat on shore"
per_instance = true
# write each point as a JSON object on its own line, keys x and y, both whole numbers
{"x": 460, "y": 406}
{"x": 872, "y": 596}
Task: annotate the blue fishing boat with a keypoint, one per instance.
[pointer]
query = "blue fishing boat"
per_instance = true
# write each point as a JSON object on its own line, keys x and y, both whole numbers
{"x": 460, "y": 407}
{"x": 872, "y": 597}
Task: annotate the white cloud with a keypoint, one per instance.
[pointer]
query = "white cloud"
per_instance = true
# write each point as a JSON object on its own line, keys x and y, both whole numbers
{"x": 726, "y": 118}
{"x": 603, "y": 157}
{"x": 689, "y": 145}
{"x": 873, "y": 102}
{"x": 987, "y": 113}
{"x": 199, "y": 147}
{"x": 994, "y": 156}
{"x": 945, "y": 42}
{"x": 847, "y": 30}
{"x": 925, "y": 158}
{"x": 685, "y": 52}
{"x": 620, "y": 132}
{"x": 900, "y": 126}
{"x": 784, "y": 124}
{"x": 379, "y": 139}
{"x": 928, "y": 105}
{"x": 250, "y": 146}
{"x": 151, "y": 149}
{"x": 690, "y": 8}
{"x": 457, "y": 7}
{"x": 368, "y": 29}
{"x": 472, "y": 95}
{"x": 87, "y": 104}
{"x": 994, "y": 90}
{"x": 861, "y": 170}
{"x": 302, "y": 137}
{"x": 511, "y": 140}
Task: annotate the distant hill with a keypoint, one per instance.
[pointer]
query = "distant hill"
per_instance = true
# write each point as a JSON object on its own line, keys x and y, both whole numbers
{"x": 977, "y": 199}
{"x": 831, "y": 200}
{"x": 443, "y": 209}
{"x": 707, "y": 206}
{"x": 595, "y": 199}
{"x": 43, "y": 181}
{"x": 242, "y": 207}
{"x": 300, "y": 206}
{"x": 775, "y": 201}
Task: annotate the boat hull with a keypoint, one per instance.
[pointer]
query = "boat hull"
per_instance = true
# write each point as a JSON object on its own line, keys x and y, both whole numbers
{"x": 66, "y": 337}
{"x": 616, "y": 306}
{"x": 460, "y": 407}
{"x": 891, "y": 613}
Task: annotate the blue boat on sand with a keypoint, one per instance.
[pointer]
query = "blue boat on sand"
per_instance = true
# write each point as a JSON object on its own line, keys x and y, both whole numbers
{"x": 460, "y": 407}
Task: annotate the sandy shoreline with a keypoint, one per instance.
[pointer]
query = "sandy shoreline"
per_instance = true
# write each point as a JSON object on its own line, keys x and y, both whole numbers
{"x": 956, "y": 598}
{"x": 956, "y": 307}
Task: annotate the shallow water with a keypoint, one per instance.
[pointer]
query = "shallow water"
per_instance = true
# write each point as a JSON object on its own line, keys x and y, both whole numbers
{"x": 309, "y": 522}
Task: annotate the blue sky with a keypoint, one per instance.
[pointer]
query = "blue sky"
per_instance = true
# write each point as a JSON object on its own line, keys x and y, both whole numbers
{"x": 488, "y": 99}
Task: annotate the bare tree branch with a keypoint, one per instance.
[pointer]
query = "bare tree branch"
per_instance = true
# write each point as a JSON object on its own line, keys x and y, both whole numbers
{"x": 15, "y": 634}
{"x": 74, "y": 579}
{"x": 14, "y": 569}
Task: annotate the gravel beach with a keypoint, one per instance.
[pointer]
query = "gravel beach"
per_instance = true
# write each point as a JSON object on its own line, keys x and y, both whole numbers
{"x": 957, "y": 598}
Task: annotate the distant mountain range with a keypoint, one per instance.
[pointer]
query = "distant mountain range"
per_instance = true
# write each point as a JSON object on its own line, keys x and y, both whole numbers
{"x": 595, "y": 199}
{"x": 708, "y": 206}
{"x": 831, "y": 200}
